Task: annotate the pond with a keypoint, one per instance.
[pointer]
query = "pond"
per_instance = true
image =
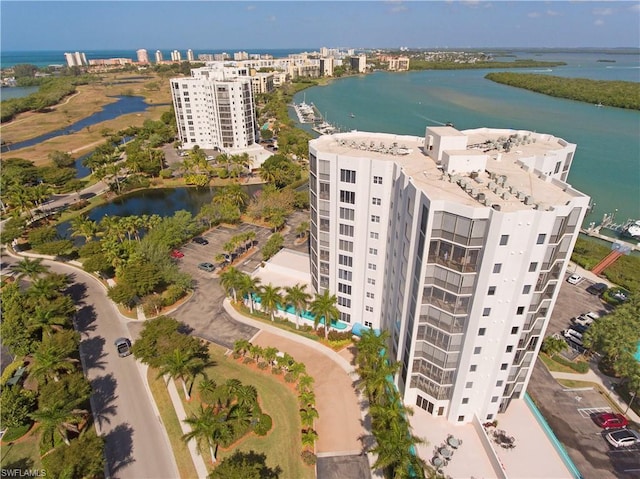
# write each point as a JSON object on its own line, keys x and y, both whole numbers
{"x": 124, "y": 105}
{"x": 162, "y": 201}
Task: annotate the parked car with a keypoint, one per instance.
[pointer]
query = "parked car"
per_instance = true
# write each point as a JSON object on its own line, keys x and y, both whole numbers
{"x": 574, "y": 279}
{"x": 597, "y": 289}
{"x": 579, "y": 328}
{"x": 206, "y": 267}
{"x": 573, "y": 336}
{"x": 608, "y": 420}
{"x": 200, "y": 240}
{"x": 123, "y": 346}
{"x": 177, "y": 254}
{"x": 623, "y": 438}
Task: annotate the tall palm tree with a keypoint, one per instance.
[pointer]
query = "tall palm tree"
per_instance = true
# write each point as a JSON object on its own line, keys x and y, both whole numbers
{"x": 30, "y": 268}
{"x": 270, "y": 354}
{"x": 50, "y": 360}
{"x": 269, "y": 299}
{"x": 305, "y": 383}
{"x": 250, "y": 285}
{"x": 231, "y": 281}
{"x": 309, "y": 437}
{"x": 297, "y": 297}
{"x": 394, "y": 450}
{"x": 306, "y": 398}
{"x": 208, "y": 427}
{"x": 46, "y": 320}
{"x": 307, "y": 417}
{"x": 241, "y": 346}
{"x": 377, "y": 382}
{"x": 207, "y": 389}
{"x": 247, "y": 395}
{"x": 183, "y": 365}
{"x": 85, "y": 227}
{"x": 324, "y": 307}
{"x": 296, "y": 369}
{"x": 62, "y": 416}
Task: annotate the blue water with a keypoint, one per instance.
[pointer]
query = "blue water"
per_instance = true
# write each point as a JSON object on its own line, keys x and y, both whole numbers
{"x": 124, "y": 105}
{"x": 17, "y": 92}
{"x": 607, "y": 161}
{"x": 340, "y": 325}
{"x": 637, "y": 356}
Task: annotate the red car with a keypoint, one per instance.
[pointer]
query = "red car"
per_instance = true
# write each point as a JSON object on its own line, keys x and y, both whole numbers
{"x": 610, "y": 420}
{"x": 177, "y": 254}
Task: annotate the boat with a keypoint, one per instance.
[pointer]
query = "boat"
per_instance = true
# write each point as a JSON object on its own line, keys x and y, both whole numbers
{"x": 632, "y": 230}
{"x": 599, "y": 105}
{"x": 352, "y": 115}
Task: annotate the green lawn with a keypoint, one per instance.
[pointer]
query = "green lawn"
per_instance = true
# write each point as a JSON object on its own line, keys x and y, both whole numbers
{"x": 281, "y": 445}
{"x": 23, "y": 455}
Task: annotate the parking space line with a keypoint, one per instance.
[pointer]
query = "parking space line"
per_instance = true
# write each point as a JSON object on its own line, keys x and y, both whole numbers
{"x": 586, "y": 412}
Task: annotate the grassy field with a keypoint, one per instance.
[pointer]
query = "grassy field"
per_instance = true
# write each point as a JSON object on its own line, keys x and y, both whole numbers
{"x": 23, "y": 455}
{"x": 282, "y": 444}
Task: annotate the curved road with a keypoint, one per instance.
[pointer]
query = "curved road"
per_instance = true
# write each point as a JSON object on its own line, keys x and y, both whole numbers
{"x": 136, "y": 444}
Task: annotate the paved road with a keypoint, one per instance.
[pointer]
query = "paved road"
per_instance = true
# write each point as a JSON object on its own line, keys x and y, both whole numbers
{"x": 136, "y": 443}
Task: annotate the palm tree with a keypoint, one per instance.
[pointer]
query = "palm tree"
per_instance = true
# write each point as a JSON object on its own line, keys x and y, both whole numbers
{"x": 306, "y": 398}
{"x": 208, "y": 427}
{"x": 305, "y": 382}
{"x": 183, "y": 365}
{"x": 307, "y": 417}
{"x": 270, "y": 354}
{"x": 246, "y": 395}
{"x": 231, "y": 281}
{"x": 324, "y": 307}
{"x": 296, "y": 369}
{"x": 241, "y": 346}
{"x": 297, "y": 297}
{"x": 249, "y": 286}
{"x": 207, "y": 389}
{"x": 302, "y": 228}
{"x": 47, "y": 320}
{"x": 83, "y": 226}
{"x": 394, "y": 450}
{"x": 309, "y": 437}
{"x": 377, "y": 384}
{"x": 30, "y": 268}
{"x": 62, "y": 416}
{"x": 232, "y": 193}
{"x": 269, "y": 299}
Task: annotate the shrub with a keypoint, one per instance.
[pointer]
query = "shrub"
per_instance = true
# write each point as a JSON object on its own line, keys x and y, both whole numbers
{"x": 10, "y": 370}
{"x": 172, "y": 294}
{"x": 78, "y": 205}
{"x": 276, "y": 370}
{"x": 264, "y": 425}
{"x": 237, "y": 355}
{"x": 262, "y": 365}
{"x": 580, "y": 366}
{"x": 166, "y": 173}
{"x": 247, "y": 360}
{"x": 339, "y": 335}
{"x": 308, "y": 458}
{"x": 290, "y": 378}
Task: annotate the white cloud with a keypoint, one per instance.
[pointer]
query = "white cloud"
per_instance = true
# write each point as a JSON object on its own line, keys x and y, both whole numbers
{"x": 602, "y": 11}
{"x": 533, "y": 15}
{"x": 553, "y": 13}
{"x": 635, "y": 7}
{"x": 397, "y": 6}
{"x": 251, "y": 7}
{"x": 271, "y": 18}
{"x": 598, "y": 22}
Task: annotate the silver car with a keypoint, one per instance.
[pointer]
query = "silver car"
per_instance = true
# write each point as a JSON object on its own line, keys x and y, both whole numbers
{"x": 623, "y": 438}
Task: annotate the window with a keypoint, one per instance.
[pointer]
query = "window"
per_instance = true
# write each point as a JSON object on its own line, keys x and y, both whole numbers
{"x": 346, "y": 230}
{"x": 460, "y": 418}
{"x": 376, "y": 201}
{"x": 473, "y": 368}
{"x": 497, "y": 267}
{"x": 504, "y": 239}
{"x": 492, "y": 290}
{"x": 482, "y": 331}
{"x": 477, "y": 350}
{"x": 489, "y": 417}
{"x": 368, "y": 324}
{"x": 469, "y": 385}
{"x": 541, "y": 238}
{"x": 499, "y": 383}
{"x": 373, "y": 251}
{"x": 526, "y": 289}
{"x": 346, "y": 302}
{"x": 347, "y": 213}
{"x": 348, "y": 176}
{"x": 371, "y": 281}
{"x": 514, "y": 330}
{"x": 373, "y": 235}
{"x": 532, "y": 267}
{"x": 345, "y": 245}
{"x": 345, "y": 260}
{"x": 375, "y": 218}
{"x": 369, "y": 309}
{"x": 486, "y": 311}
{"x": 494, "y": 399}
{"x": 520, "y": 310}
{"x": 504, "y": 366}
{"x": 344, "y": 274}
{"x": 377, "y": 180}
{"x": 346, "y": 317}
{"x": 371, "y": 266}
{"x": 509, "y": 349}
{"x": 347, "y": 197}
{"x": 344, "y": 288}
{"x": 465, "y": 400}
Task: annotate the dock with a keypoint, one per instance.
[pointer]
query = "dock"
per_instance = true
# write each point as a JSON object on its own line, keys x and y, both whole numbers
{"x": 608, "y": 223}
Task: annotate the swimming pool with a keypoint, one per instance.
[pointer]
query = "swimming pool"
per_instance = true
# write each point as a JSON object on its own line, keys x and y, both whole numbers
{"x": 307, "y": 315}
{"x": 637, "y": 356}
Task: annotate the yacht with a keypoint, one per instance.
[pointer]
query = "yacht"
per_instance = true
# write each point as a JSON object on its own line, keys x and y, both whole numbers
{"x": 632, "y": 230}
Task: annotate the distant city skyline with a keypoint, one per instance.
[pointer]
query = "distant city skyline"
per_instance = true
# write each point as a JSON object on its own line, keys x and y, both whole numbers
{"x": 113, "y": 25}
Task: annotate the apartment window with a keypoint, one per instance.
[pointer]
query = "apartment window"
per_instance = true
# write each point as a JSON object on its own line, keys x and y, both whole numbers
{"x": 377, "y": 180}
{"x": 509, "y": 349}
{"x": 520, "y": 310}
{"x": 465, "y": 400}
{"x": 346, "y": 317}
{"x": 486, "y": 311}
{"x": 346, "y": 230}
{"x": 489, "y": 417}
{"x": 368, "y": 324}
{"x": 369, "y": 309}
{"x": 541, "y": 238}
{"x": 492, "y": 290}
{"x": 344, "y": 288}
{"x": 504, "y": 366}
{"x": 347, "y": 197}
{"x": 345, "y": 245}
{"x": 371, "y": 281}
{"x": 514, "y": 330}
{"x": 526, "y": 289}
{"x": 477, "y": 350}
{"x": 504, "y": 239}
{"x": 532, "y": 267}
{"x": 373, "y": 235}
{"x": 499, "y": 383}
{"x": 344, "y": 274}
{"x": 347, "y": 214}
{"x": 376, "y": 201}
{"x": 494, "y": 399}
{"x": 469, "y": 385}
{"x": 346, "y": 302}
{"x": 473, "y": 368}
{"x": 497, "y": 268}
{"x": 345, "y": 260}
{"x": 370, "y": 295}
{"x": 325, "y": 224}
{"x": 371, "y": 266}
{"x": 460, "y": 418}
{"x": 482, "y": 331}
{"x": 348, "y": 176}
{"x": 375, "y": 218}
{"x": 373, "y": 251}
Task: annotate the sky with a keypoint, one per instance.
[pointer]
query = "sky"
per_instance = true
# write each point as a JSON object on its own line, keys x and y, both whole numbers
{"x": 214, "y": 25}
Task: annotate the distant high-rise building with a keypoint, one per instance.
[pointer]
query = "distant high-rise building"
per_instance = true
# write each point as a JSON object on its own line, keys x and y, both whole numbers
{"x": 76, "y": 59}
{"x": 159, "y": 56}
{"x": 238, "y": 56}
{"x": 190, "y": 56}
{"x": 359, "y": 63}
{"x": 143, "y": 56}
{"x": 456, "y": 243}
{"x": 215, "y": 108}
{"x": 326, "y": 66}
{"x": 176, "y": 56}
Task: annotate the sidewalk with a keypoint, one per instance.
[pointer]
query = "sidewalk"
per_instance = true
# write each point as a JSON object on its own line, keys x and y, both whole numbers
{"x": 606, "y": 382}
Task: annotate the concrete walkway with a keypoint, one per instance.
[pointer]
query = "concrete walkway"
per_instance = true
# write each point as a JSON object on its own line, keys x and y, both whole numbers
{"x": 607, "y": 385}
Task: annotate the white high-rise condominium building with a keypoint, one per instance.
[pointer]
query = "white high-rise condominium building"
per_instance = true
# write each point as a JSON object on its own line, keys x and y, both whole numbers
{"x": 214, "y": 108}
{"x": 456, "y": 244}
{"x": 190, "y": 56}
{"x": 159, "y": 56}
{"x": 76, "y": 59}
{"x": 143, "y": 56}
{"x": 176, "y": 56}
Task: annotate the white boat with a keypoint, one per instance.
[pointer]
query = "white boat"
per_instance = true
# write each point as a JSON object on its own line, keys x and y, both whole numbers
{"x": 632, "y": 230}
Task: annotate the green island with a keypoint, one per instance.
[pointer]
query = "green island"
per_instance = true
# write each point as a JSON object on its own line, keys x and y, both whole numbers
{"x": 479, "y": 65}
{"x": 620, "y": 94}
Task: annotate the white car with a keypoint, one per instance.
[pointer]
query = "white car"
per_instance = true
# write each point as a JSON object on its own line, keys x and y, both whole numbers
{"x": 586, "y": 319}
{"x": 574, "y": 279}
{"x": 623, "y": 438}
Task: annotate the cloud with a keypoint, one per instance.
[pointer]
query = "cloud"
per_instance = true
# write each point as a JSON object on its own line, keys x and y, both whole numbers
{"x": 635, "y": 8}
{"x": 397, "y": 6}
{"x": 602, "y": 11}
{"x": 251, "y": 7}
{"x": 598, "y": 22}
{"x": 552, "y": 13}
{"x": 533, "y": 15}
{"x": 271, "y": 18}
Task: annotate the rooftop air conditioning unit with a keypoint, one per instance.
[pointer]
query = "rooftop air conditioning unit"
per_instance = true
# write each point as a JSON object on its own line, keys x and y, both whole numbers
{"x": 521, "y": 195}
{"x": 506, "y": 195}
{"x": 491, "y": 185}
{"x": 496, "y": 206}
{"x": 528, "y": 200}
{"x": 474, "y": 192}
{"x": 481, "y": 197}
{"x": 501, "y": 180}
